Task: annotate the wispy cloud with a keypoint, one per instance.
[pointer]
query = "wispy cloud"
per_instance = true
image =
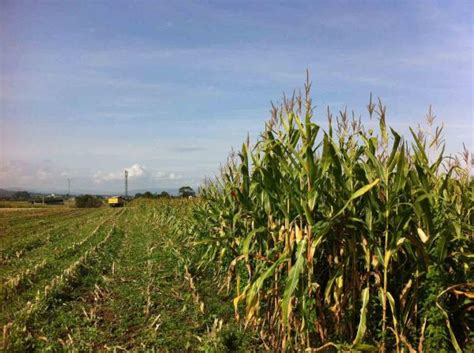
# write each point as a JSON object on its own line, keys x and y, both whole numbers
{"x": 136, "y": 173}
{"x": 25, "y": 174}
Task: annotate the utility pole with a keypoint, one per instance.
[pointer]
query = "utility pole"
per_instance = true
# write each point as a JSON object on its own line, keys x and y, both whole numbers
{"x": 126, "y": 183}
{"x": 68, "y": 187}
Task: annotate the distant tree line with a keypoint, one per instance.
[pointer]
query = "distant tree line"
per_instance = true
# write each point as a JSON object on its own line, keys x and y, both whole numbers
{"x": 184, "y": 191}
{"x": 149, "y": 195}
{"x": 36, "y": 198}
{"x": 87, "y": 201}
{"x": 21, "y": 196}
{"x": 96, "y": 201}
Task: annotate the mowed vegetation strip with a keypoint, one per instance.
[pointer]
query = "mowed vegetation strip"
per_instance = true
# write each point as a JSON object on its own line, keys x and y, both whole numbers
{"x": 51, "y": 263}
{"x": 35, "y": 218}
{"x": 17, "y": 330}
{"x": 108, "y": 310}
{"x": 30, "y": 329}
{"x": 26, "y": 234}
{"x": 18, "y": 273}
{"x": 28, "y": 243}
{"x": 130, "y": 285}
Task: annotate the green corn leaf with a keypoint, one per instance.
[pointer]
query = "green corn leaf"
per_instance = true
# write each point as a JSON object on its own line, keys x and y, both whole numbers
{"x": 312, "y": 196}
{"x": 452, "y": 336}
{"x": 363, "y": 317}
{"x": 293, "y": 279}
{"x": 257, "y": 285}
{"x": 420, "y": 153}
{"x": 383, "y": 130}
{"x": 392, "y": 160}
{"x": 248, "y": 239}
{"x": 327, "y": 292}
{"x": 307, "y": 213}
{"x": 391, "y": 301}
{"x": 358, "y": 194}
{"x": 376, "y": 164}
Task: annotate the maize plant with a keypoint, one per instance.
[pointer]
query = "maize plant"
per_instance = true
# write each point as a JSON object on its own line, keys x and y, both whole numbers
{"x": 344, "y": 239}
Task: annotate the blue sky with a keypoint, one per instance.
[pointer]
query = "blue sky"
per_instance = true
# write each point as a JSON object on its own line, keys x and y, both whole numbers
{"x": 167, "y": 88}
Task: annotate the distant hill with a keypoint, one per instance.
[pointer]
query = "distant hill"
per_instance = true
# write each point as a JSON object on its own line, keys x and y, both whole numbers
{"x": 6, "y": 193}
{"x": 10, "y": 192}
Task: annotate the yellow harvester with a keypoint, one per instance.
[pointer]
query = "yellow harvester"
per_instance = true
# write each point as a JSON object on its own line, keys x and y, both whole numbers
{"x": 115, "y": 201}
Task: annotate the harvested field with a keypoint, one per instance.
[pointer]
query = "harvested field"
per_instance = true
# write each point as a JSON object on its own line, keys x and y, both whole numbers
{"x": 105, "y": 279}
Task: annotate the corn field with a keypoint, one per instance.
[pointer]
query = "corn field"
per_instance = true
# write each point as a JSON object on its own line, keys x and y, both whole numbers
{"x": 347, "y": 238}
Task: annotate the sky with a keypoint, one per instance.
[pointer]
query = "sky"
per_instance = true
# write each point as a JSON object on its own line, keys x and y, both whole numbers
{"x": 165, "y": 89}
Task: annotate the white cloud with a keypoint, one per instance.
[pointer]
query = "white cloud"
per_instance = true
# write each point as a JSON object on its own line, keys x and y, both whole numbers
{"x": 136, "y": 171}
